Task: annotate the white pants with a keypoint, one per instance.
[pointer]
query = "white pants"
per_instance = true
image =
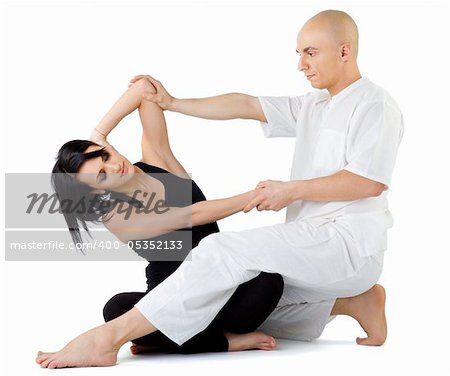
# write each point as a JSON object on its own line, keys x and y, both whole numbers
{"x": 319, "y": 263}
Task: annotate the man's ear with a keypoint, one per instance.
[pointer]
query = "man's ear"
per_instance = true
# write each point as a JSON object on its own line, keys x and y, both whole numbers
{"x": 346, "y": 51}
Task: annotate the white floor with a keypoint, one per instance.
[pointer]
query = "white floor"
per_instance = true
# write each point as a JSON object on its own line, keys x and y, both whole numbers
{"x": 335, "y": 352}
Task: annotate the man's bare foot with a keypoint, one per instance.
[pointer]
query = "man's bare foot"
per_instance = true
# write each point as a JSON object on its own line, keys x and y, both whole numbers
{"x": 248, "y": 341}
{"x": 92, "y": 348}
{"x": 139, "y": 349}
{"x": 369, "y": 310}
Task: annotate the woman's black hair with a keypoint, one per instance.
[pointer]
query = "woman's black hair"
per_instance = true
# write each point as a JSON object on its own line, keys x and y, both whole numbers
{"x": 78, "y": 202}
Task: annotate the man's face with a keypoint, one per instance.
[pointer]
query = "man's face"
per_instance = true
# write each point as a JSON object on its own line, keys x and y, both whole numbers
{"x": 320, "y": 56}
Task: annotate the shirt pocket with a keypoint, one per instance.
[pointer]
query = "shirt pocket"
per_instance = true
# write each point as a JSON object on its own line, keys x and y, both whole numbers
{"x": 329, "y": 151}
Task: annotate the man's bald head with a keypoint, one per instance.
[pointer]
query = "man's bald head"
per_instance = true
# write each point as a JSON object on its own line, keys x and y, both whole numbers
{"x": 328, "y": 47}
{"x": 339, "y": 27}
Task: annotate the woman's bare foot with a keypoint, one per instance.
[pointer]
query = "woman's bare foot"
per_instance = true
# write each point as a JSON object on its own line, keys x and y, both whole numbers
{"x": 248, "y": 341}
{"x": 92, "y": 348}
{"x": 369, "y": 310}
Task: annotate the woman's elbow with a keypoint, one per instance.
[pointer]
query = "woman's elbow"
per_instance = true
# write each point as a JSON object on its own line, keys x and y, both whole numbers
{"x": 198, "y": 216}
{"x": 195, "y": 220}
{"x": 144, "y": 86}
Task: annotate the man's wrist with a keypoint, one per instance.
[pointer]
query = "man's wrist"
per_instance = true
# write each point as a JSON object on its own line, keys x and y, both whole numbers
{"x": 294, "y": 190}
{"x": 173, "y": 104}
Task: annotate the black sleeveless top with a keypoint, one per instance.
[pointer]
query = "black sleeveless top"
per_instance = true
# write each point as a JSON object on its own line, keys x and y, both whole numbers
{"x": 179, "y": 192}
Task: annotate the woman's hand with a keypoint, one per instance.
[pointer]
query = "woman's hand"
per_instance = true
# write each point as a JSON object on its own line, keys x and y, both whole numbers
{"x": 161, "y": 97}
{"x": 249, "y": 197}
{"x": 98, "y": 138}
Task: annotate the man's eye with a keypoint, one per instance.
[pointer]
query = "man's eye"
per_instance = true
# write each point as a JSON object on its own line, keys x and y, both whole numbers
{"x": 310, "y": 54}
{"x": 105, "y": 157}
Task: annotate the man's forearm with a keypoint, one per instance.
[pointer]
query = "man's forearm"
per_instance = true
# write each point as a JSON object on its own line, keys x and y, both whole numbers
{"x": 341, "y": 186}
{"x": 220, "y": 107}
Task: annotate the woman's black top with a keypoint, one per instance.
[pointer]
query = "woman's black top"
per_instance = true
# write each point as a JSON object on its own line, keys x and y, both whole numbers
{"x": 179, "y": 192}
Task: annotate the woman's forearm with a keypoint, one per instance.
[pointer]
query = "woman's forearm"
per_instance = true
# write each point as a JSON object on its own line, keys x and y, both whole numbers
{"x": 135, "y": 225}
{"x": 213, "y": 210}
{"x": 126, "y": 104}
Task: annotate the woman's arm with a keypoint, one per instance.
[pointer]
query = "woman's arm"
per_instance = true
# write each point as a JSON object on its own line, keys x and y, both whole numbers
{"x": 213, "y": 210}
{"x": 155, "y": 142}
{"x": 126, "y": 104}
{"x": 130, "y": 224}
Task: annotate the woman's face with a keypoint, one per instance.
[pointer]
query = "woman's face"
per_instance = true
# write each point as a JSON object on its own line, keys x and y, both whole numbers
{"x": 108, "y": 172}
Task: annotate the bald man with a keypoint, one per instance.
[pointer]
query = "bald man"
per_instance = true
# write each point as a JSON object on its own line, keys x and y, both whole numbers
{"x": 329, "y": 251}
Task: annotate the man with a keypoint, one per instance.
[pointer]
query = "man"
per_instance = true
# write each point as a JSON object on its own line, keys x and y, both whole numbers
{"x": 329, "y": 251}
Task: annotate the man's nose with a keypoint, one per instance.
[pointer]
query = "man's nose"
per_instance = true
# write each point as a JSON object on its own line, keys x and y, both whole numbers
{"x": 302, "y": 64}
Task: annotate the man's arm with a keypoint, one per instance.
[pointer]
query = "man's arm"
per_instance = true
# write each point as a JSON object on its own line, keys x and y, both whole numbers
{"x": 341, "y": 186}
{"x": 220, "y": 107}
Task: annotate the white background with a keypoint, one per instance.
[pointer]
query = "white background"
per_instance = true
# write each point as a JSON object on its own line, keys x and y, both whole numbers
{"x": 63, "y": 64}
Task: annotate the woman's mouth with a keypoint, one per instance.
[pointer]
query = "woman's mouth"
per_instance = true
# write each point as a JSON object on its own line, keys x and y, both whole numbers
{"x": 124, "y": 169}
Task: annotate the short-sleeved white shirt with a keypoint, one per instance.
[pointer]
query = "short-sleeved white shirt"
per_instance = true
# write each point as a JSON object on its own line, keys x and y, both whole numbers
{"x": 359, "y": 130}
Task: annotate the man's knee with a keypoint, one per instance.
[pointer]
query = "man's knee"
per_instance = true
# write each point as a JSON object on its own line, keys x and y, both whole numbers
{"x": 221, "y": 242}
{"x": 208, "y": 245}
{"x": 209, "y": 240}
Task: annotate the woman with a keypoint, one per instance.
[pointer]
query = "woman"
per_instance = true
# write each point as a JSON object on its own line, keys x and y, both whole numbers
{"x": 116, "y": 191}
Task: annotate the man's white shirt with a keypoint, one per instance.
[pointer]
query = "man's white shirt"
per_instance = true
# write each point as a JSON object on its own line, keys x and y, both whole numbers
{"x": 359, "y": 130}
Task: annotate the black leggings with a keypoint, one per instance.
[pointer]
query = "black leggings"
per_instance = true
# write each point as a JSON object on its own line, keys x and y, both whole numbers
{"x": 245, "y": 311}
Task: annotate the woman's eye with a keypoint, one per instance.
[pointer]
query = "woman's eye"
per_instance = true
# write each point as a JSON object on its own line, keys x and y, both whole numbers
{"x": 102, "y": 176}
{"x": 105, "y": 157}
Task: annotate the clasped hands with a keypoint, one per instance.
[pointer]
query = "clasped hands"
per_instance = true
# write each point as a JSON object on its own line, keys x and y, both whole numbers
{"x": 270, "y": 195}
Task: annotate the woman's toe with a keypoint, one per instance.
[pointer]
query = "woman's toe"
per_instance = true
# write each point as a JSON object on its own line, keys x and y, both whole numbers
{"x": 40, "y": 358}
{"x": 45, "y": 363}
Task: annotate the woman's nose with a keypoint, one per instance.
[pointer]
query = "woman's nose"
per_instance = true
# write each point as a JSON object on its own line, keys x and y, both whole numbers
{"x": 113, "y": 167}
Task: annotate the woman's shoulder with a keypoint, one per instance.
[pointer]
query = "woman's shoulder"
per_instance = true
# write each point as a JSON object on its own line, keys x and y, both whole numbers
{"x": 147, "y": 167}
{"x": 161, "y": 168}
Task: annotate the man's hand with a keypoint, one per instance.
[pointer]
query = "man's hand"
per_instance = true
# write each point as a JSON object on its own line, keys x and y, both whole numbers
{"x": 271, "y": 195}
{"x": 162, "y": 98}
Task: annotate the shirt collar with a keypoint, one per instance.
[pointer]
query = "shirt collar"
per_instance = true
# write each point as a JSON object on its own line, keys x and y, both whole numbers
{"x": 350, "y": 88}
